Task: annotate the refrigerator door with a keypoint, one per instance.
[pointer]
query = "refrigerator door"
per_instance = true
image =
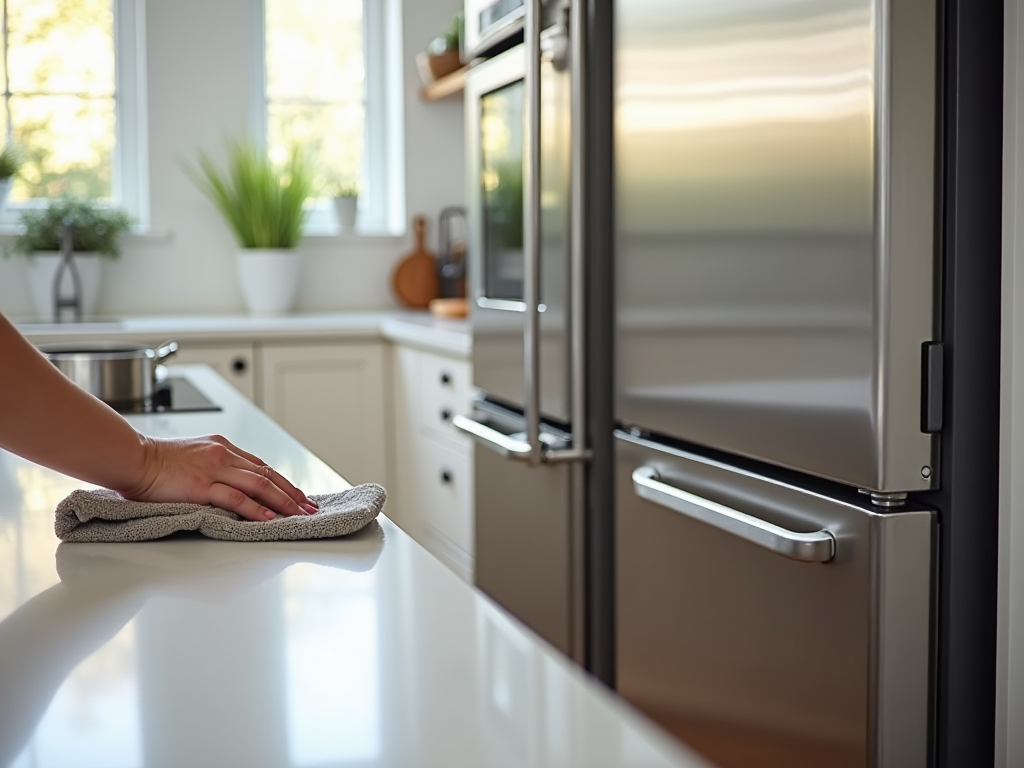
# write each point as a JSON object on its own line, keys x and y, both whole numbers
{"x": 495, "y": 112}
{"x": 766, "y": 625}
{"x": 775, "y": 223}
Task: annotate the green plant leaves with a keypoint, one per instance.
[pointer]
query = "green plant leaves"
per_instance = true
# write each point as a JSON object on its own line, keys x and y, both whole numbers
{"x": 262, "y": 202}
{"x": 95, "y": 227}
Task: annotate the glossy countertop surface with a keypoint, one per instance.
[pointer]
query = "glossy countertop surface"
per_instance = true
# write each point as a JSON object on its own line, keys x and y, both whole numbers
{"x": 446, "y": 335}
{"x": 361, "y": 651}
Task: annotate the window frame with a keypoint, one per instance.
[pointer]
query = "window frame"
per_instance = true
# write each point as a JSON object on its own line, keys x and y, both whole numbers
{"x": 382, "y": 211}
{"x": 130, "y": 172}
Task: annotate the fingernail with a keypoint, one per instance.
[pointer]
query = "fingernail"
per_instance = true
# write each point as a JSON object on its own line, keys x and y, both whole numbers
{"x": 310, "y": 509}
{"x": 269, "y": 515}
{"x": 312, "y": 503}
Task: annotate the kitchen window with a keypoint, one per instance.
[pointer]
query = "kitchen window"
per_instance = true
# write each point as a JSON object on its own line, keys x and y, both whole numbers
{"x": 323, "y": 86}
{"x": 72, "y": 73}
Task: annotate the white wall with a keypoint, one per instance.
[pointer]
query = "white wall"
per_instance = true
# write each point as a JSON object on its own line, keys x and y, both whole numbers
{"x": 1010, "y": 661}
{"x": 198, "y": 58}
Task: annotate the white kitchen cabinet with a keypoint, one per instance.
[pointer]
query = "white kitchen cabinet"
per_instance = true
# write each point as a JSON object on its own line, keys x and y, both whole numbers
{"x": 434, "y": 462}
{"x": 235, "y": 362}
{"x": 331, "y": 396}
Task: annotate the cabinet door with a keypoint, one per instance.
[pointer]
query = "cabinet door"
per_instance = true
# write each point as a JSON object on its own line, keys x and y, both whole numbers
{"x": 232, "y": 361}
{"x": 331, "y": 397}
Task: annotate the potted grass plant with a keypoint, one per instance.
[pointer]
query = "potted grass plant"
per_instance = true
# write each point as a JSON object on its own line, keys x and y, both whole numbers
{"x": 96, "y": 230}
{"x": 263, "y": 203}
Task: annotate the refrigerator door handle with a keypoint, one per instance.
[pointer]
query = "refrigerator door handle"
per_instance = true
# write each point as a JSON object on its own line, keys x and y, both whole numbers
{"x": 819, "y": 547}
{"x": 507, "y": 446}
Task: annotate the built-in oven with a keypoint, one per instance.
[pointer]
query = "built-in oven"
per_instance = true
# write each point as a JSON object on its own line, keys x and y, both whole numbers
{"x": 494, "y": 25}
{"x": 500, "y": 180}
{"x": 524, "y": 288}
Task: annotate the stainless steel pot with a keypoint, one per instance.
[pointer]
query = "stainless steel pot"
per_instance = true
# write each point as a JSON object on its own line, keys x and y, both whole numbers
{"x": 118, "y": 374}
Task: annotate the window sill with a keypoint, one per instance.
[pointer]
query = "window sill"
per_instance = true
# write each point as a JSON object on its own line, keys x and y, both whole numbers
{"x": 138, "y": 235}
{"x": 154, "y": 235}
{"x": 332, "y": 232}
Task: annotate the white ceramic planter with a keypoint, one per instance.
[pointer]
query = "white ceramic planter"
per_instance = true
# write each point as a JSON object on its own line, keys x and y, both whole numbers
{"x": 345, "y": 209}
{"x": 269, "y": 278}
{"x": 41, "y": 268}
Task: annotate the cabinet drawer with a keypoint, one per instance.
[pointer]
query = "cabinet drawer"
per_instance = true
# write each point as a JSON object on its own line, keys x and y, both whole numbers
{"x": 444, "y": 479}
{"x": 447, "y": 390}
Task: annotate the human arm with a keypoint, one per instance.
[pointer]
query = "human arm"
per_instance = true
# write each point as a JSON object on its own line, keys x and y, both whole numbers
{"x": 46, "y": 418}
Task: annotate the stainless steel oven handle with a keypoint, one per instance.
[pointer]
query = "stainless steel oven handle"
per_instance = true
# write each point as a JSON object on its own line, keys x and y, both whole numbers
{"x": 819, "y": 547}
{"x": 531, "y": 234}
{"x": 491, "y": 438}
{"x": 578, "y": 231}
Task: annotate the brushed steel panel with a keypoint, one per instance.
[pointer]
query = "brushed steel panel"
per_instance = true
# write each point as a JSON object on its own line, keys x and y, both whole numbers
{"x": 523, "y": 543}
{"x": 498, "y": 355}
{"x": 774, "y": 214}
{"x": 755, "y": 659}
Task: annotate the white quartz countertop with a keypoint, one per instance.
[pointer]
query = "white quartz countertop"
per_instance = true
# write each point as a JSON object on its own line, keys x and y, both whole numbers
{"x": 361, "y": 651}
{"x": 416, "y": 328}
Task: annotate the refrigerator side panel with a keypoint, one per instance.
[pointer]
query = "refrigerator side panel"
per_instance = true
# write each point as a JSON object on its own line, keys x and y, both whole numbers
{"x": 752, "y": 657}
{"x": 905, "y": 250}
{"x": 903, "y": 548}
{"x": 774, "y": 193}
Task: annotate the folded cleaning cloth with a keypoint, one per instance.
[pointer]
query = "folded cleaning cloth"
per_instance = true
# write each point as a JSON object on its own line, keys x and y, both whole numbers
{"x": 103, "y": 515}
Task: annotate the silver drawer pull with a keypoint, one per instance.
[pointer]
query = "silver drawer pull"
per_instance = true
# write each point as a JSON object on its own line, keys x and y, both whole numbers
{"x": 507, "y": 446}
{"x": 819, "y": 547}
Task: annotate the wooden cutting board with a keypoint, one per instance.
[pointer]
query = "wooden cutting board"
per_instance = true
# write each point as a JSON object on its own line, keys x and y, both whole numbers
{"x": 414, "y": 280}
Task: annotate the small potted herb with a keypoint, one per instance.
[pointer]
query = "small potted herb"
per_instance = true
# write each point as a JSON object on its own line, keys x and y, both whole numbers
{"x": 444, "y": 54}
{"x": 345, "y": 195}
{"x": 95, "y": 229}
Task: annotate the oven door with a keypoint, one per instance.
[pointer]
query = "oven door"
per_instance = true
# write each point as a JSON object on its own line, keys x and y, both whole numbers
{"x": 495, "y": 115}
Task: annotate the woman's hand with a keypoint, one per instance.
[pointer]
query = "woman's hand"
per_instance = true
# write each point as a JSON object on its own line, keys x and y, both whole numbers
{"x": 211, "y": 470}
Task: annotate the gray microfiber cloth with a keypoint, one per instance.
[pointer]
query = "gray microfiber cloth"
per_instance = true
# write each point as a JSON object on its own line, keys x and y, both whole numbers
{"x": 103, "y": 515}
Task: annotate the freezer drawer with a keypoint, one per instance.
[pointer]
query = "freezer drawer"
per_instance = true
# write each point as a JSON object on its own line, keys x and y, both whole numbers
{"x": 524, "y": 546}
{"x": 744, "y": 630}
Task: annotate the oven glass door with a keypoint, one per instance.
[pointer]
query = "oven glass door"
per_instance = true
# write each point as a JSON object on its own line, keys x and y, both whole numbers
{"x": 501, "y": 181}
{"x": 496, "y": 97}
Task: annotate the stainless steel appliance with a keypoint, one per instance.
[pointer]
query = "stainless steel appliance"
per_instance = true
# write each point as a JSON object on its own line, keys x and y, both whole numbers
{"x": 709, "y": 343}
{"x": 130, "y": 378}
{"x": 493, "y": 25}
{"x": 520, "y": 135}
{"x": 122, "y": 375}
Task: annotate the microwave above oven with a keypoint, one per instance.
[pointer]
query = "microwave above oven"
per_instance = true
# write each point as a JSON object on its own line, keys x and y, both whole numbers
{"x": 492, "y": 26}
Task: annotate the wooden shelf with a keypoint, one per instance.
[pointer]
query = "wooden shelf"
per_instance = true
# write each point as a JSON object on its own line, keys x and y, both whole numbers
{"x": 446, "y": 86}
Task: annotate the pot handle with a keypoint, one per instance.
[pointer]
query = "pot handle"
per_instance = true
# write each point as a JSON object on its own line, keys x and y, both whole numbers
{"x": 165, "y": 350}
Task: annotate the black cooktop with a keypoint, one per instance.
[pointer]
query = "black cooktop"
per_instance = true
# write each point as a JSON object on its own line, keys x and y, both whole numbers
{"x": 174, "y": 394}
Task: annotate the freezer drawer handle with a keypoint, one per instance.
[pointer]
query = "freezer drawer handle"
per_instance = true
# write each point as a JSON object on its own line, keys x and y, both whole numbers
{"x": 507, "y": 446}
{"x": 553, "y": 449}
{"x": 817, "y": 547}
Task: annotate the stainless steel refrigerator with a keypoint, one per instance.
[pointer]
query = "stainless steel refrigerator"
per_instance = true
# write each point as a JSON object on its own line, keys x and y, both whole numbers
{"x": 711, "y": 305}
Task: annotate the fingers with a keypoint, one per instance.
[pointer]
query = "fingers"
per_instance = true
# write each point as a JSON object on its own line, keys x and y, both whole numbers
{"x": 282, "y": 482}
{"x": 233, "y": 500}
{"x": 257, "y": 465}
